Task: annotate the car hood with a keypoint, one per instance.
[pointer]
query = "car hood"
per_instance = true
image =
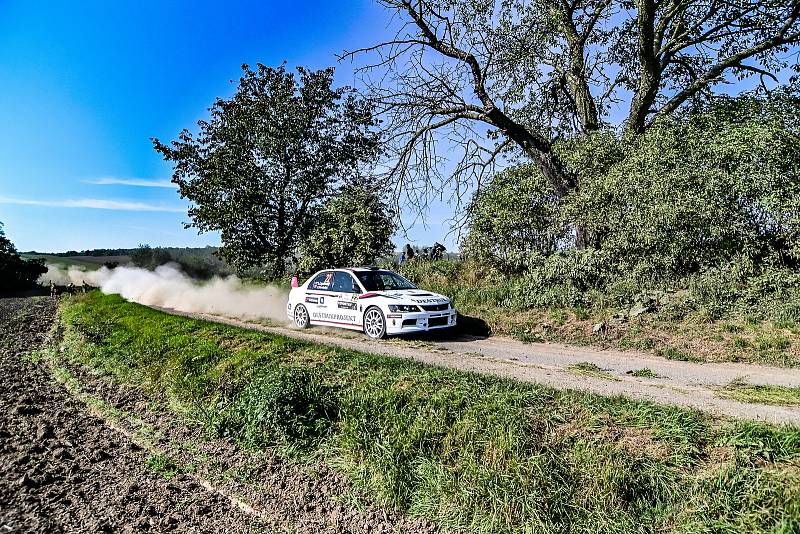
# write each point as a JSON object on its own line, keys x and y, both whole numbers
{"x": 412, "y": 296}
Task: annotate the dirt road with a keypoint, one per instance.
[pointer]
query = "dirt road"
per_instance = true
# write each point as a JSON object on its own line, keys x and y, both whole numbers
{"x": 687, "y": 384}
{"x": 92, "y": 456}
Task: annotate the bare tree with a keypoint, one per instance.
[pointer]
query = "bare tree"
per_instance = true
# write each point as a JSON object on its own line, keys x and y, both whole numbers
{"x": 491, "y": 77}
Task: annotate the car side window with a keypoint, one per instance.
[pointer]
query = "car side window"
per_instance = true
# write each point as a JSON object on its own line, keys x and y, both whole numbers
{"x": 342, "y": 282}
{"x": 322, "y": 282}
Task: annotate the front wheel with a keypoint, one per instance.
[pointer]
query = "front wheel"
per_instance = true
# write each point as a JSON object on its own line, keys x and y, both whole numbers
{"x": 301, "y": 319}
{"x": 374, "y": 323}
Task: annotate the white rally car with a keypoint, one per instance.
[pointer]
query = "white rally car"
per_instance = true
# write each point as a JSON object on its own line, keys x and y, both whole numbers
{"x": 376, "y": 301}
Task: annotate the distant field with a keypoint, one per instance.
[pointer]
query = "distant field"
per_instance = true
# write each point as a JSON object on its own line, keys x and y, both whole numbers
{"x": 89, "y": 263}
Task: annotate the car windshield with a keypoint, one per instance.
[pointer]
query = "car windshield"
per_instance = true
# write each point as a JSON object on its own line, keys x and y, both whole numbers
{"x": 383, "y": 281}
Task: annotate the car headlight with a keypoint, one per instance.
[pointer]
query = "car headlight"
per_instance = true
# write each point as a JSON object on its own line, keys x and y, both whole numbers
{"x": 403, "y": 308}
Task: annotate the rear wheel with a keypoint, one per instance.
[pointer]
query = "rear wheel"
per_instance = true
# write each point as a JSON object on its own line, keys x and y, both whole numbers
{"x": 374, "y": 323}
{"x": 301, "y": 319}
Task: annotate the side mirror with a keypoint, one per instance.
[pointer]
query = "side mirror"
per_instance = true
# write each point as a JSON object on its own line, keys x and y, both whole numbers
{"x": 356, "y": 289}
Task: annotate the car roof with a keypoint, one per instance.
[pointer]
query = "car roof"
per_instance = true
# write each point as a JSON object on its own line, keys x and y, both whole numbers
{"x": 360, "y": 269}
{"x": 353, "y": 270}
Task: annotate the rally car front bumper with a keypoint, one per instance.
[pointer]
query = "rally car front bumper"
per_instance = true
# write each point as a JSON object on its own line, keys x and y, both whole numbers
{"x": 407, "y": 323}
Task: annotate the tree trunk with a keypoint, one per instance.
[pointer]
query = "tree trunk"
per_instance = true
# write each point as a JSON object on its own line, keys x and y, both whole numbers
{"x": 564, "y": 183}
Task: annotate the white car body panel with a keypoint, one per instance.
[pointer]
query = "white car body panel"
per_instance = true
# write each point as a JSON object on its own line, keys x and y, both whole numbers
{"x": 328, "y": 305}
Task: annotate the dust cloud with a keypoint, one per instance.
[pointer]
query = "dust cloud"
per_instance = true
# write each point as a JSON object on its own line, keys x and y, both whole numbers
{"x": 169, "y": 287}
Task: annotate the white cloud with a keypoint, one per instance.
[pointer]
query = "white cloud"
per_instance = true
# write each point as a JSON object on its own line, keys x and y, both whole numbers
{"x": 93, "y": 203}
{"x": 139, "y": 182}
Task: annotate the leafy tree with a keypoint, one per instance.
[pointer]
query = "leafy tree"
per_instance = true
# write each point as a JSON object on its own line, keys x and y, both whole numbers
{"x": 525, "y": 74}
{"x": 142, "y": 256}
{"x": 516, "y": 215}
{"x": 16, "y": 273}
{"x": 352, "y": 228}
{"x": 697, "y": 194}
{"x": 267, "y": 157}
{"x": 705, "y": 191}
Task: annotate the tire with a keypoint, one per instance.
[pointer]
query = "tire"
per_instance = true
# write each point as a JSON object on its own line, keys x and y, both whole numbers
{"x": 301, "y": 317}
{"x": 374, "y": 323}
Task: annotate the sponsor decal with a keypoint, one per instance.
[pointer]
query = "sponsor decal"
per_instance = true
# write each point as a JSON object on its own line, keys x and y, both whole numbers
{"x": 312, "y": 300}
{"x": 430, "y": 301}
{"x": 343, "y": 304}
{"x": 334, "y": 317}
{"x": 325, "y": 284}
{"x": 322, "y": 301}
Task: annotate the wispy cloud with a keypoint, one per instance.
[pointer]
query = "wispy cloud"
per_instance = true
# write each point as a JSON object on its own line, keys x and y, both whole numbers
{"x": 138, "y": 182}
{"x": 93, "y": 203}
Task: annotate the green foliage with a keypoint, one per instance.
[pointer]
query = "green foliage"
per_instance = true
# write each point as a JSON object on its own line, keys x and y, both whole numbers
{"x": 468, "y": 451}
{"x": 285, "y": 405}
{"x": 353, "y": 228}
{"x": 147, "y": 257}
{"x": 694, "y": 195}
{"x": 709, "y": 203}
{"x": 16, "y": 273}
{"x": 267, "y": 157}
{"x": 515, "y": 216}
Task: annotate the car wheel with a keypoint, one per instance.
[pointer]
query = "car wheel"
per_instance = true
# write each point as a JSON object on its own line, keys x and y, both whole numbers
{"x": 374, "y": 323}
{"x": 301, "y": 319}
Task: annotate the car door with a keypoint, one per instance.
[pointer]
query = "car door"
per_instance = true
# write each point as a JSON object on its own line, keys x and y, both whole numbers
{"x": 317, "y": 293}
{"x": 346, "y": 305}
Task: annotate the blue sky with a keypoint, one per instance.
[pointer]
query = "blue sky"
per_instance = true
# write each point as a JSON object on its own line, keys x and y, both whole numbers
{"x": 86, "y": 84}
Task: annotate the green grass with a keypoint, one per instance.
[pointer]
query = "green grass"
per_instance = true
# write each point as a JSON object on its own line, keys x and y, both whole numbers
{"x": 469, "y": 451}
{"x": 644, "y": 372}
{"x": 590, "y": 369}
{"x": 162, "y": 464}
{"x": 761, "y": 394}
{"x": 671, "y": 353}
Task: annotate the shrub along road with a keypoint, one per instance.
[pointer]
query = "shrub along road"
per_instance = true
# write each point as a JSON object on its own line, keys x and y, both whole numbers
{"x": 705, "y": 386}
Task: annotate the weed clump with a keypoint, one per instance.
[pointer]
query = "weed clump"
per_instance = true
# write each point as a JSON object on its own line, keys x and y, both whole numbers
{"x": 288, "y": 406}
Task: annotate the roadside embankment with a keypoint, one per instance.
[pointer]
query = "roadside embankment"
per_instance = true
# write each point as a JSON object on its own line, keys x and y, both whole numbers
{"x": 464, "y": 450}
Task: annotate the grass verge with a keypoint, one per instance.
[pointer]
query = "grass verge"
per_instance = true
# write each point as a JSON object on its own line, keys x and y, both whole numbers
{"x": 761, "y": 394}
{"x": 590, "y": 369}
{"x": 469, "y": 451}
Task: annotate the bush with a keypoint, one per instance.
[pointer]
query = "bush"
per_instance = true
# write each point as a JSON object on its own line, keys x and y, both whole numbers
{"x": 710, "y": 203}
{"x": 515, "y": 216}
{"x": 563, "y": 279}
{"x": 15, "y": 273}
{"x": 354, "y": 227}
{"x": 691, "y": 196}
